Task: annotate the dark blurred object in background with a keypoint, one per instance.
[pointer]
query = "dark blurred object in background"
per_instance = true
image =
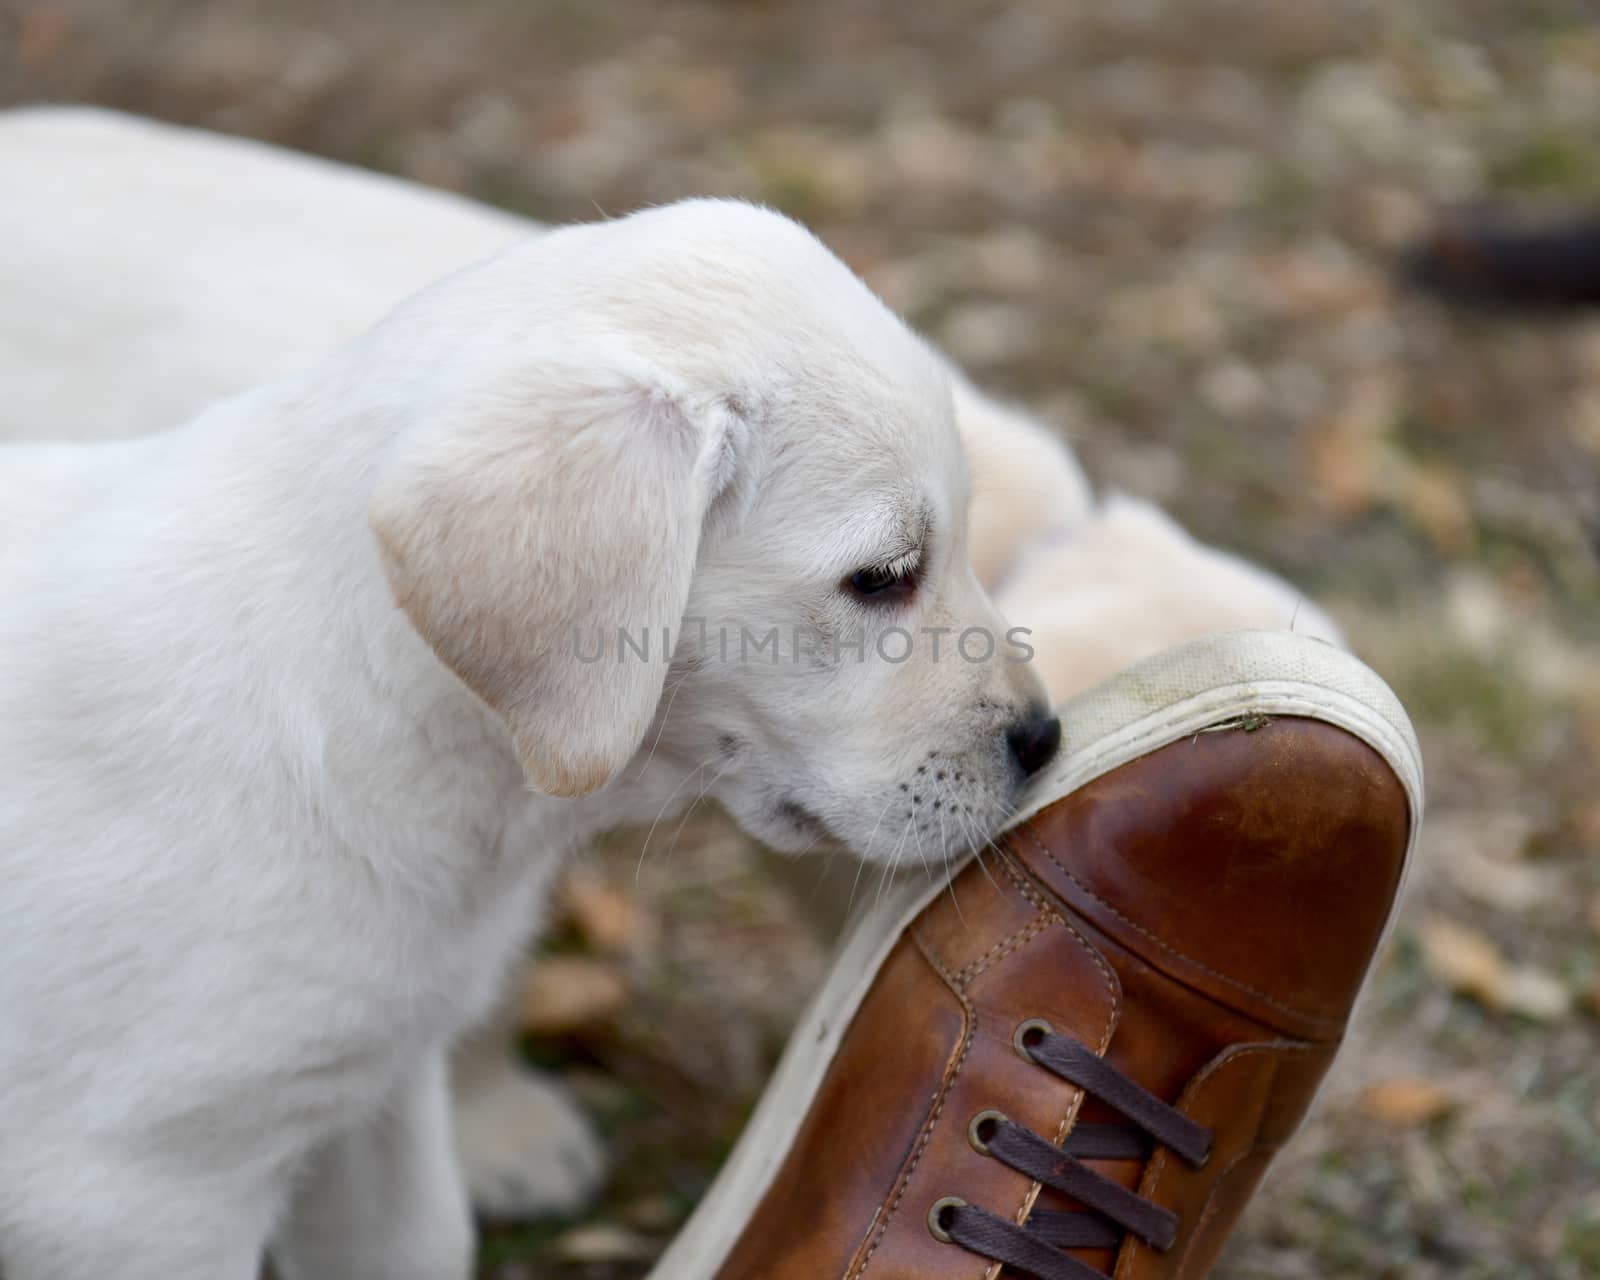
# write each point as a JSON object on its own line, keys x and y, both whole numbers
{"x": 1494, "y": 260}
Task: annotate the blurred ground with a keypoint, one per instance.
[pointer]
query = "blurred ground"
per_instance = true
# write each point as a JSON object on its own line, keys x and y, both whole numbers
{"x": 1167, "y": 224}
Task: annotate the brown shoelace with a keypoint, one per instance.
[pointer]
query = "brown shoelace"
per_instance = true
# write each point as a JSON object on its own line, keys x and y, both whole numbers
{"x": 1111, "y": 1210}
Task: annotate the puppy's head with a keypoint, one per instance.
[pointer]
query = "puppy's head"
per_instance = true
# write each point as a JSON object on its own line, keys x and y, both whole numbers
{"x": 680, "y": 483}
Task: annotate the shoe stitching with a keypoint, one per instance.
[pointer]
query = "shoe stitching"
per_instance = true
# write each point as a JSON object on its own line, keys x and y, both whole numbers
{"x": 1205, "y": 1215}
{"x": 1113, "y": 988}
{"x": 1158, "y": 1162}
{"x": 1046, "y": 917}
{"x": 1025, "y": 886}
{"x": 1019, "y": 937}
{"x": 1030, "y": 890}
{"x": 1041, "y": 921}
{"x": 1209, "y": 1210}
{"x": 1321, "y": 1023}
{"x": 1113, "y": 1016}
{"x": 932, "y": 1122}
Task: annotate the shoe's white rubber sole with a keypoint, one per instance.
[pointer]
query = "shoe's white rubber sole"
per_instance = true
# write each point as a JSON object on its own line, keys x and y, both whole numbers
{"x": 1215, "y": 681}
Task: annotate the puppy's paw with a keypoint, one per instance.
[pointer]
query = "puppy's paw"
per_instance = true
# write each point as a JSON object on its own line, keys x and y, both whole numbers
{"x": 526, "y": 1149}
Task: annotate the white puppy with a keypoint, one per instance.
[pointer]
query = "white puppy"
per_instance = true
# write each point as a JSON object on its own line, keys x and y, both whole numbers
{"x": 274, "y": 685}
{"x": 146, "y": 270}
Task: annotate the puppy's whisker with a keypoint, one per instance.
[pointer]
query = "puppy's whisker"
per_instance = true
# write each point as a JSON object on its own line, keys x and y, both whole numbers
{"x": 941, "y": 803}
{"x": 883, "y": 879}
{"x": 850, "y": 902}
{"x": 980, "y": 839}
{"x": 861, "y": 866}
{"x": 827, "y": 861}
{"x": 977, "y": 841}
{"x": 661, "y": 812}
{"x": 666, "y": 712}
{"x": 689, "y": 809}
{"x": 950, "y": 887}
{"x": 922, "y": 855}
{"x": 979, "y": 844}
{"x": 822, "y": 871}
{"x": 882, "y": 813}
{"x": 969, "y": 833}
{"x": 894, "y": 862}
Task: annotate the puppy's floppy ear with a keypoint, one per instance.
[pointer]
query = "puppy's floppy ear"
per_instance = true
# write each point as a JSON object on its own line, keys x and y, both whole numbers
{"x": 522, "y": 531}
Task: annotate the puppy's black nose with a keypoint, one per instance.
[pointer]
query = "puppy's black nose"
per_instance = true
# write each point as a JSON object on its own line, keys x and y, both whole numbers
{"x": 1033, "y": 741}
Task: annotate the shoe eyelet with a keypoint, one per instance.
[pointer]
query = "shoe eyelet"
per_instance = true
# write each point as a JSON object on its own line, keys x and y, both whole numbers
{"x": 939, "y": 1213}
{"x": 981, "y": 1128}
{"x": 1028, "y": 1034}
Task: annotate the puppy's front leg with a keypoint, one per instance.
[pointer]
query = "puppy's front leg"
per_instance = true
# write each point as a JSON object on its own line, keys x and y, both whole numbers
{"x": 385, "y": 1201}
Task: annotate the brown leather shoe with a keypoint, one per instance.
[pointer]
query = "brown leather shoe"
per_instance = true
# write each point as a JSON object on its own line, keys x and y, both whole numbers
{"x": 1078, "y": 1056}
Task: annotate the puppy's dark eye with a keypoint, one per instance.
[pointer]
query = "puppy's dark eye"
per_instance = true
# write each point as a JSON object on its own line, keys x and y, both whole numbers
{"x": 882, "y": 582}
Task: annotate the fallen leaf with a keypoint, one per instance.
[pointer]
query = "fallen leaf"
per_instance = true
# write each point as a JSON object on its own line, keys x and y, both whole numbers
{"x": 601, "y": 1243}
{"x": 1536, "y": 994}
{"x": 1406, "y": 1102}
{"x": 1463, "y": 959}
{"x": 1349, "y": 469}
{"x": 41, "y": 34}
{"x": 652, "y": 1213}
{"x": 1326, "y": 281}
{"x": 1435, "y": 499}
{"x": 563, "y": 993}
{"x": 1469, "y": 963}
{"x": 1351, "y": 457}
{"x": 608, "y": 918}
{"x": 1495, "y": 882}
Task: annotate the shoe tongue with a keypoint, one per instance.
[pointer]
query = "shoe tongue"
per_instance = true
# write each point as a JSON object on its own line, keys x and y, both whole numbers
{"x": 1256, "y": 865}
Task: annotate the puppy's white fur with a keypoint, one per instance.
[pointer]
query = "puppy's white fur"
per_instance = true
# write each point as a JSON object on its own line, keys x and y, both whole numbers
{"x": 1027, "y": 488}
{"x": 267, "y": 838}
{"x": 1129, "y": 582}
{"x": 147, "y": 271}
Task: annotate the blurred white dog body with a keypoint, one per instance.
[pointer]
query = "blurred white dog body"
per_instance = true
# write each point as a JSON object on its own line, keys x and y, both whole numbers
{"x": 1128, "y": 583}
{"x": 146, "y": 271}
{"x": 266, "y": 838}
